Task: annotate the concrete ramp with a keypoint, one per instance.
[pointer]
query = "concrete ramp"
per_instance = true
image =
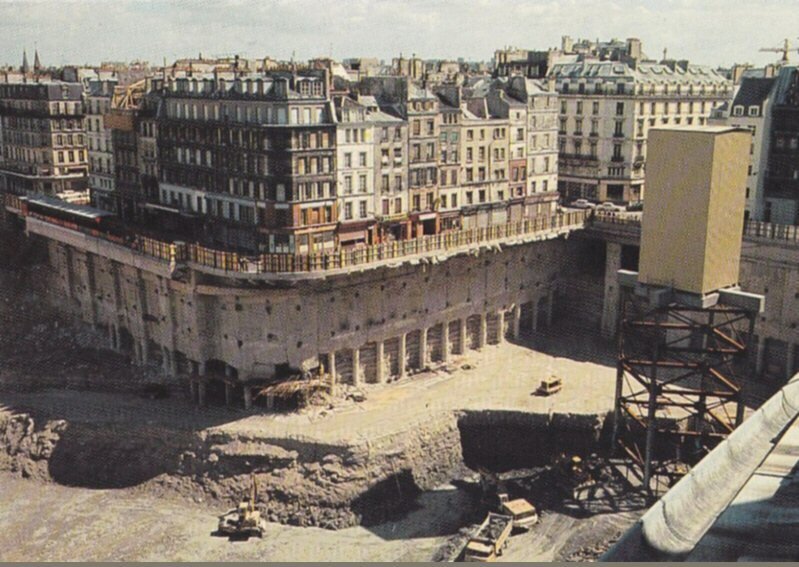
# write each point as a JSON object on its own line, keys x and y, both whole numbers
{"x": 725, "y": 508}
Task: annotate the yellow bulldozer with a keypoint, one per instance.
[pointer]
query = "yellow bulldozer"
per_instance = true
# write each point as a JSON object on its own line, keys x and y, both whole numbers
{"x": 245, "y": 521}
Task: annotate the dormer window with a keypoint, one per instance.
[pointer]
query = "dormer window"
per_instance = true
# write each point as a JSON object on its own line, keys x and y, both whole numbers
{"x": 738, "y": 110}
{"x": 754, "y": 111}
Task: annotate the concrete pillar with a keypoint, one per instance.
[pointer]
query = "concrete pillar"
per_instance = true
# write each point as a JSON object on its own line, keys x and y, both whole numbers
{"x": 611, "y": 296}
{"x": 201, "y": 393}
{"x": 517, "y": 320}
{"x": 228, "y": 371}
{"x": 535, "y": 315}
{"x": 144, "y": 349}
{"x": 356, "y": 367}
{"x": 423, "y": 348}
{"x": 201, "y": 368}
{"x": 91, "y": 287}
{"x": 381, "y": 372}
{"x": 550, "y": 307}
{"x": 483, "y": 331}
{"x": 761, "y": 354}
{"x": 331, "y": 363}
{"x": 790, "y": 361}
{"x": 193, "y": 391}
{"x": 137, "y": 354}
{"x": 173, "y": 362}
{"x": 401, "y": 355}
{"x": 445, "y": 342}
{"x": 228, "y": 393}
{"x": 247, "y": 397}
{"x": 165, "y": 360}
{"x": 463, "y": 335}
{"x": 112, "y": 341}
{"x": 501, "y": 324}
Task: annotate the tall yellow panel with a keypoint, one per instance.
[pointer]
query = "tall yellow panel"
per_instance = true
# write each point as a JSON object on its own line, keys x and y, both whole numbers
{"x": 694, "y": 207}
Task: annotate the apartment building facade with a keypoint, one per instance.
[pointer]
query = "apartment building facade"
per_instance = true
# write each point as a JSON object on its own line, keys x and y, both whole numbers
{"x": 43, "y": 139}
{"x": 606, "y": 110}
{"x": 781, "y": 186}
{"x": 101, "y": 152}
{"x": 254, "y": 156}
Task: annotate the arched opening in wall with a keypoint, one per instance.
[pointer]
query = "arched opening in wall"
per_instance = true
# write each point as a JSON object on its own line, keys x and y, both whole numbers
{"x": 391, "y": 355}
{"x": 492, "y": 328}
{"x": 344, "y": 366}
{"x": 413, "y": 350}
{"x": 629, "y": 257}
{"x": 368, "y": 356}
{"x": 125, "y": 340}
{"x": 526, "y": 316}
{"x": 435, "y": 344}
{"x": 507, "y": 324}
{"x": 473, "y": 332}
{"x": 454, "y": 330}
{"x": 182, "y": 364}
{"x": 154, "y": 353}
{"x": 543, "y": 306}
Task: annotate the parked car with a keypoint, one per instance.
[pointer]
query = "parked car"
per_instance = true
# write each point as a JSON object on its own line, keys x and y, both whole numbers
{"x": 609, "y": 207}
{"x": 582, "y": 204}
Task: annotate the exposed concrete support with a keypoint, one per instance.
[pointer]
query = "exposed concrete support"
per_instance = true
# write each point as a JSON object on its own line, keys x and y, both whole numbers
{"x": 356, "y": 366}
{"x": 550, "y": 307}
{"x": 761, "y": 354}
{"x": 228, "y": 393}
{"x": 483, "y": 331}
{"x": 247, "y": 397}
{"x": 112, "y": 339}
{"x": 534, "y": 326}
{"x": 193, "y": 391}
{"x": 790, "y": 361}
{"x": 610, "y": 302}
{"x": 402, "y": 353}
{"x": 423, "y": 355}
{"x": 517, "y": 320}
{"x": 91, "y": 286}
{"x": 201, "y": 393}
{"x": 445, "y": 342}
{"x": 381, "y": 363}
{"x": 331, "y": 363}
{"x": 463, "y": 335}
{"x": 141, "y": 299}
{"x": 70, "y": 274}
{"x": 501, "y": 324}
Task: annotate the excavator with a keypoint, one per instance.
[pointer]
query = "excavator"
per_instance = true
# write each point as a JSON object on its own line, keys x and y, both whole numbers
{"x": 245, "y": 521}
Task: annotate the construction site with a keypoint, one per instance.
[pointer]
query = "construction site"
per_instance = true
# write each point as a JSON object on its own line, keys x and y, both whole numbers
{"x": 531, "y": 392}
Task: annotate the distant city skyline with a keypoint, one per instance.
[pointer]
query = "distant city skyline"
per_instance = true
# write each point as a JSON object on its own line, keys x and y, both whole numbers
{"x": 713, "y": 32}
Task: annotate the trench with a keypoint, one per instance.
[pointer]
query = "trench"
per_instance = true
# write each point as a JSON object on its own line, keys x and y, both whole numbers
{"x": 302, "y": 482}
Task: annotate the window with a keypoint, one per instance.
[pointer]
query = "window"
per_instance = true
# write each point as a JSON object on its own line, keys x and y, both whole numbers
{"x": 348, "y": 159}
{"x": 595, "y": 107}
{"x": 619, "y": 108}
{"x": 348, "y": 211}
{"x": 362, "y": 209}
{"x": 348, "y": 185}
{"x": 754, "y": 111}
{"x": 579, "y": 107}
{"x": 362, "y": 184}
{"x": 362, "y": 159}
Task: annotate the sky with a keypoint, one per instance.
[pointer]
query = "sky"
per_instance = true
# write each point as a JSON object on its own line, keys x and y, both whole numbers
{"x": 713, "y": 32}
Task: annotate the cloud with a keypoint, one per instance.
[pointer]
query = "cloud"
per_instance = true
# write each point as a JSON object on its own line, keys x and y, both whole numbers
{"x": 715, "y": 32}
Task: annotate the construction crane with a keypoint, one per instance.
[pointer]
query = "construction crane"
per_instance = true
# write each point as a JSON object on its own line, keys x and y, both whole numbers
{"x": 785, "y": 50}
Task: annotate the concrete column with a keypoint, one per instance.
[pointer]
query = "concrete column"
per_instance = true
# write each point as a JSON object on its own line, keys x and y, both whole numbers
{"x": 761, "y": 354}
{"x": 247, "y": 397}
{"x": 517, "y": 321}
{"x": 356, "y": 367}
{"x": 611, "y": 297}
{"x": 144, "y": 349}
{"x": 331, "y": 362}
{"x": 228, "y": 393}
{"x": 501, "y": 323}
{"x": 201, "y": 368}
{"x": 483, "y": 331}
{"x": 402, "y": 362}
{"x": 165, "y": 360}
{"x": 790, "y": 361}
{"x": 535, "y": 315}
{"x": 228, "y": 371}
{"x": 201, "y": 393}
{"x": 137, "y": 354}
{"x": 91, "y": 287}
{"x": 423, "y": 348}
{"x": 112, "y": 337}
{"x": 445, "y": 342}
{"x": 173, "y": 363}
{"x": 381, "y": 372}
{"x": 141, "y": 299}
{"x": 193, "y": 391}
{"x": 550, "y": 307}
{"x": 463, "y": 335}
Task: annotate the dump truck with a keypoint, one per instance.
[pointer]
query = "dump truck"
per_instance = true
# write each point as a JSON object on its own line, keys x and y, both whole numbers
{"x": 489, "y": 540}
{"x": 244, "y": 521}
{"x": 524, "y": 514}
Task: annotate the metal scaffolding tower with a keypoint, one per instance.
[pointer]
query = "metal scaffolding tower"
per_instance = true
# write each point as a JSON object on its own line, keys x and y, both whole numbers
{"x": 677, "y": 382}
